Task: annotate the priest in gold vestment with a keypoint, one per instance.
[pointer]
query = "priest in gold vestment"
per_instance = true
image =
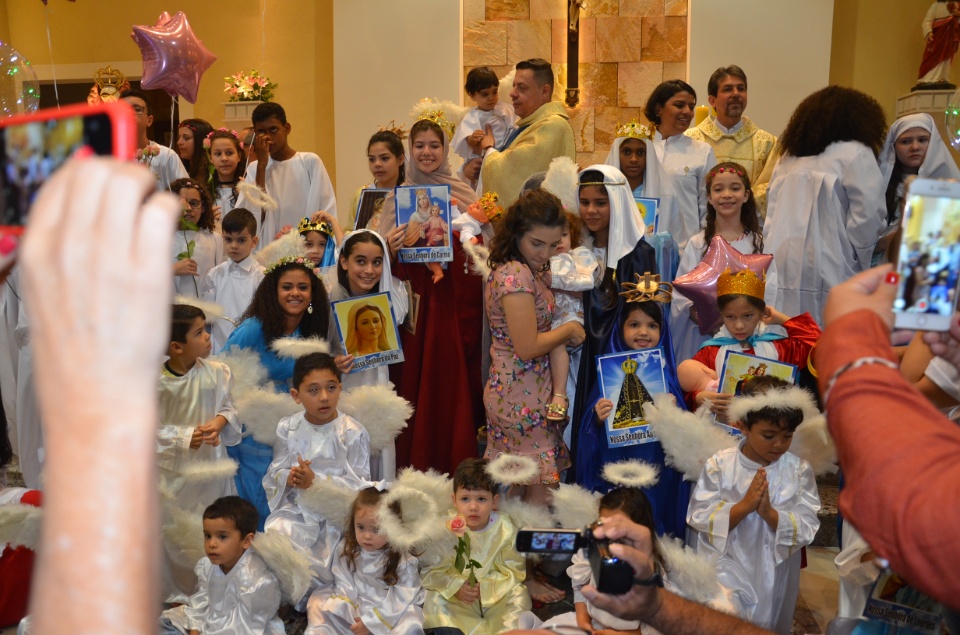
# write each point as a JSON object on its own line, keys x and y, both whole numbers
{"x": 542, "y": 134}
{"x": 733, "y": 136}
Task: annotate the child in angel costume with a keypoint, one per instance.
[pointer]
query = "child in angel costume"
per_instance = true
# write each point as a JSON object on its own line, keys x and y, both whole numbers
{"x": 755, "y": 504}
{"x": 643, "y": 325}
{"x": 499, "y": 597}
{"x": 375, "y": 585}
{"x": 237, "y": 593}
{"x": 197, "y": 421}
{"x": 318, "y": 443}
{"x": 681, "y": 570}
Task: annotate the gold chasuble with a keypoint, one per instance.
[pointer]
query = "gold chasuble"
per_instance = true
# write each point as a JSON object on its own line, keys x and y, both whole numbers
{"x": 749, "y": 146}
{"x": 547, "y": 135}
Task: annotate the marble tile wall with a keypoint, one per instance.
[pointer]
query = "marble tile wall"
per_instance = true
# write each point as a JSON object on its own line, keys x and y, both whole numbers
{"x": 627, "y": 47}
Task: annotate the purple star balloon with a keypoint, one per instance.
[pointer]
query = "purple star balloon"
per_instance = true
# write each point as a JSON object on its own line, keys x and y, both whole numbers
{"x": 700, "y": 285}
{"x": 173, "y": 58}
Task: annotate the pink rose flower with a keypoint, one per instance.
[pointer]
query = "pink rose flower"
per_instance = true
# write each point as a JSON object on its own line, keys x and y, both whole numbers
{"x": 458, "y": 525}
{"x": 509, "y": 280}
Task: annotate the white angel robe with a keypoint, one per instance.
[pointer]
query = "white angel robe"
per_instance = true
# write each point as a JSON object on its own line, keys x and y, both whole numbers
{"x": 243, "y": 601}
{"x": 224, "y": 200}
{"x": 363, "y": 594}
{"x": 207, "y": 253}
{"x": 29, "y": 425}
{"x": 684, "y": 164}
{"x": 502, "y": 120}
{"x": 825, "y": 214}
{"x": 761, "y": 567}
{"x": 231, "y": 285}
{"x": 184, "y": 403}
{"x": 301, "y": 187}
{"x": 166, "y": 166}
{"x": 337, "y": 451}
{"x": 684, "y": 332}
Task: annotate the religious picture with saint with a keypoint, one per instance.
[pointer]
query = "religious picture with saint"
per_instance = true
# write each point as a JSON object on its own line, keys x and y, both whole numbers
{"x": 425, "y": 210}
{"x": 630, "y": 380}
{"x": 368, "y": 330}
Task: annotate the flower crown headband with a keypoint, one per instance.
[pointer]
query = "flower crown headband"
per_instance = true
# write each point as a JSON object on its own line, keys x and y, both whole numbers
{"x": 207, "y": 141}
{"x": 647, "y": 288}
{"x": 292, "y": 260}
{"x": 715, "y": 171}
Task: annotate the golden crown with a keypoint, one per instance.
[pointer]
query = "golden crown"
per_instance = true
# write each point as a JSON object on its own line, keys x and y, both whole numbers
{"x": 110, "y": 81}
{"x": 635, "y": 130}
{"x": 647, "y": 287}
{"x": 629, "y": 366}
{"x": 320, "y": 226}
{"x": 394, "y": 128}
{"x": 438, "y": 117}
{"x": 743, "y": 282}
{"x": 489, "y": 203}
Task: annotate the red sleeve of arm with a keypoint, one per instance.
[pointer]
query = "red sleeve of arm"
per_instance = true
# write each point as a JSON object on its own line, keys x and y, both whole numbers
{"x": 802, "y": 335}
{"x": 899, "y": 457}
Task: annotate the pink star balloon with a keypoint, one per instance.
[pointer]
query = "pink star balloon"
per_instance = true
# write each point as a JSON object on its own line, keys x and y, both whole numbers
{"x": 700, "y": 285}
{"x": 173, "y": 58}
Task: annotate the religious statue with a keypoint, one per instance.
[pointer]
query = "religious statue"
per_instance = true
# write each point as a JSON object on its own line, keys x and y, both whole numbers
{"x": 941, "y": 28}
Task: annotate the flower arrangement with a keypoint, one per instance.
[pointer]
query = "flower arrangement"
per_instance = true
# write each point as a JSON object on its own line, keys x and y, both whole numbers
{"x": 458, "y": 525}
{"x": 252, "y": 87}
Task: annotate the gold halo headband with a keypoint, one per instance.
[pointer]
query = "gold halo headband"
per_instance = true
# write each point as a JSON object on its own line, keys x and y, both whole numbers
{"x": 647, "y": 288}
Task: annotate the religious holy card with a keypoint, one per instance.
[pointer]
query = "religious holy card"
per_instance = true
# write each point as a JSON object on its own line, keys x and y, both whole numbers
{"x": 739, "y": 368}
{"x": 893, "y": 601}
{"x": 370, "y": 207}
{"x": 630, "y": 380}
{"x": 425, "y": 210}
{"x": 368, "y": 330}
{"x": 649, "y": 210}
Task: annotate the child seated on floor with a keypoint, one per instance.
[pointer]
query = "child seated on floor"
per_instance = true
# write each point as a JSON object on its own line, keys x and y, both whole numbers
{"x": 498, "y": 599}
{"x": 318, "y": 443}
{"x": 376, "y": 587}
{"x": 755, "y": 504}
{"x": 237, "y": 593}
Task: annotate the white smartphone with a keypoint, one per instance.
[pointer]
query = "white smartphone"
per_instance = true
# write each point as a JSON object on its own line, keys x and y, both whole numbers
{"x": 929, "y": 256}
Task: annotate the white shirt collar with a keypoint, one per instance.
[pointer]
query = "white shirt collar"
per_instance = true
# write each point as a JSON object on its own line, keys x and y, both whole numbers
{"x": 247, "y": 264}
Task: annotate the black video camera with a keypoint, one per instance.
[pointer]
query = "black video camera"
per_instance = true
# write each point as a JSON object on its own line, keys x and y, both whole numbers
{"x": 612, "y": 575}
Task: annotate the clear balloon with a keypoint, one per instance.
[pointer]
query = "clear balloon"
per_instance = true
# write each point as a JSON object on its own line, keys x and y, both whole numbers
{"x": 700, "y": 285}
{"x": 952, "y": 120}
{"x": 19, "y": 88}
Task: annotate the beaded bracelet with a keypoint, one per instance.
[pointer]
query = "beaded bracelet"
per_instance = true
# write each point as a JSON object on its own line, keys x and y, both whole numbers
{"x": 857, "y": 363}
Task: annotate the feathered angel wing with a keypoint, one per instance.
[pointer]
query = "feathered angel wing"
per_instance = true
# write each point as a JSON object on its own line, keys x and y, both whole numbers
{"x": 812, "y": 443}
{"x": 20, "y": 525}
{"x": 561, "y": 181}
{"x": 245, "y": 368}
{"x": 331, "y": 500}
{"x": 575, "y": 507}
{"x": 380, "y": 410}
{"x": 479, "y": 259}
{"x": 688, "y": 439}
{"x": 211, "y": 310}
{"x": 261, "y": 410}
{"x": 289, "y": 564}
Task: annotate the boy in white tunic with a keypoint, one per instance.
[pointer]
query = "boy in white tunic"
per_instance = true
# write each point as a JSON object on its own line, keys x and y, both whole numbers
{"x": 318, "y": 443}
{"x": 296, "y": 180}
{"x": 238, "y": 594}
{"x": 162, "y": 161}
{"x": 755, "y": 504}
{"x": 197, "y": 419}
{"x": 232, "y": 283}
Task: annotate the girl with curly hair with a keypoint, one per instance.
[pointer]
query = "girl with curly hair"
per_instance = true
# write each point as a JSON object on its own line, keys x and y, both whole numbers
{"x": 291, "y": 301}
{"x": 825, "y": 205}
{"x": 196, "y": 248}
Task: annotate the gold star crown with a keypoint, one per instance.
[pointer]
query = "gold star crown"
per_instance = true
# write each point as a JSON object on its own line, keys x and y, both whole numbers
{"x": 744, "y": 282}
{"x": 320, "y": 226}
{"x": 647, "y": 287}
{"x": 394, "y": 128}
{"x": 634, "y": 130}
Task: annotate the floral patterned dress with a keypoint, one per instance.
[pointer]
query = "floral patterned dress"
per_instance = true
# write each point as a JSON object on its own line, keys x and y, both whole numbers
{"x": 518, "y": 392}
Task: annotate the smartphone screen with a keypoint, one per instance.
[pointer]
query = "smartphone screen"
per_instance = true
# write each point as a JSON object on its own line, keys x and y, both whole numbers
{"x": 35, "y": 149}
{"x": 546, "y": 541}
{"x": 929, "y": 259}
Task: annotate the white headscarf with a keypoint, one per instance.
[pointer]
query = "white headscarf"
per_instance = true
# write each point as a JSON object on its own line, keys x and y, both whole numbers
{"x": 651, "y": 174}
{"x": 398, "y": 292}
{"x": 626, "y": 226}
{"x": 938, "y": 164}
